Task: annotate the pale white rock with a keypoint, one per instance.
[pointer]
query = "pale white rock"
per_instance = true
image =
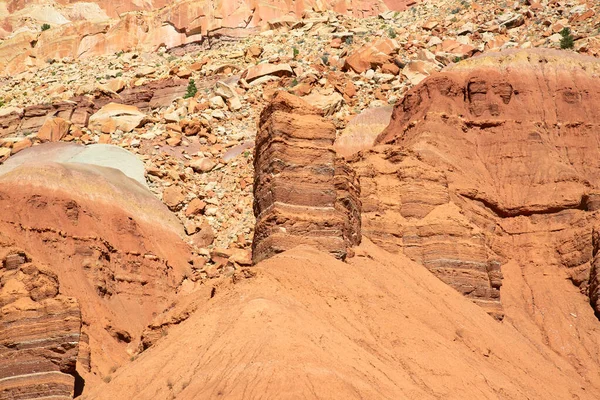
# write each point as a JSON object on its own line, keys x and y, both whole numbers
{"x": 218, "y": 114}
{"x": 216, "y": 102}
{"x": 224, "y": 90}
{"x": 234, "y": 104}
{"x": 125, "y": 118}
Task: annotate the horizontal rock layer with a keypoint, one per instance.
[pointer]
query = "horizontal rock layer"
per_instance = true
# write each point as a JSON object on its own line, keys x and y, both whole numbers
{"x": 492, "y": 165}
{"x": 302, "y": 192}
{"x": 39, "y": 330}
{"x": 79, "y": 109}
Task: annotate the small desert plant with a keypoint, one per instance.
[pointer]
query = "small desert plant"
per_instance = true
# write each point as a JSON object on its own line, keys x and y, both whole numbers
{"x": 45, "y": 27}
{"x": 349, "y": 40}
{"x": 191, "y": 89}
{"x": 325, "y": 59}
{"x": 296, "y": 52}
{"x": 567, "y": 41}
{"x": 392, "y": 33}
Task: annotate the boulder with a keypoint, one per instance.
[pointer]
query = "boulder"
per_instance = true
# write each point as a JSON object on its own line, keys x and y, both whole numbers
{"x": 371, "y": 55}
{"x": 115, "y": 116}
{"x": 53, "y": 130}
{"x": 266, "y": 69}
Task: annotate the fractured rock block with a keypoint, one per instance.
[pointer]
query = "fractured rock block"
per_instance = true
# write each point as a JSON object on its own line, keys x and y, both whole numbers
{"x": 303, "y": 193}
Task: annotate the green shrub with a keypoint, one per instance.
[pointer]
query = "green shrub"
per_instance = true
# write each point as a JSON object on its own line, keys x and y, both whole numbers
{"x": 567, "y": 41}
{"x": 296, "y": 52}
{"x": 191, "y": 89}
{"x": 45, "y": 27}
{"x": 392, "y": 33}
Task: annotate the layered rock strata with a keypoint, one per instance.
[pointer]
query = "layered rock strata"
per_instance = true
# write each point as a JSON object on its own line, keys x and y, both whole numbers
{"x": 39, "y": 330}
{"x": 303, "y": 193}
{"x": 108, "y": 239}
{"x": 492, "y": 161}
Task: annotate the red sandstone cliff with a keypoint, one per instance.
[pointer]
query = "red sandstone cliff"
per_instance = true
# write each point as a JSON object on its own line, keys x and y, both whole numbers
{"x": 492, "y": 165}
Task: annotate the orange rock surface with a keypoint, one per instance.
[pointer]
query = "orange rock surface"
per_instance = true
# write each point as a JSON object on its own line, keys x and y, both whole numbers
{"x": 303, "y": 324}
{"x": 111, "y": 244}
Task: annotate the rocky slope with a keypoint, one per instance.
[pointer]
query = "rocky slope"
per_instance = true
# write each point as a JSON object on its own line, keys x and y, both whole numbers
{"x": 88, "y": 29}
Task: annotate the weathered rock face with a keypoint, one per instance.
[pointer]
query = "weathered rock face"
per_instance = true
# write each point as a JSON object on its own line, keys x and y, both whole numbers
{"x": 39, "y": 330}
{"x": 407, "y": 208}
{"x": 92, "y": 32}
{"x": 112, "y": 244}
{"x": 303, "y": 193}
{"x": 493, "y": 162}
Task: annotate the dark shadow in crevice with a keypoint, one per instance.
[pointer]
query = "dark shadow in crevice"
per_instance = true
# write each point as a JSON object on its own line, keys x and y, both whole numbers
{"x": 79, "y": 385}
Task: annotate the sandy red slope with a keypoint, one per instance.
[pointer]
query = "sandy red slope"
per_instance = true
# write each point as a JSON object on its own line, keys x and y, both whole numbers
{"x": 382, "y": 327}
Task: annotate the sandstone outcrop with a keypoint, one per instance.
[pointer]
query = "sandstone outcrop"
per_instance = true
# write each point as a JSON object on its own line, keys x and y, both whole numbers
{"x": 303, "y": 193}
{"x": 32, "y": 118}
{"x": 101, "y": 112}
{"x": 109, "y": 241}
{"x": 594, "y": 289}
{"x": 492, "y": 165}
{"x": 39, "y": 329}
